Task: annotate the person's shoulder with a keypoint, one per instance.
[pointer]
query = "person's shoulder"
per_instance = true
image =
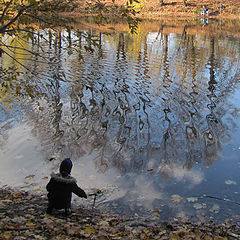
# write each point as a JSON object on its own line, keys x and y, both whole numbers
{"x": 59, "y": 178}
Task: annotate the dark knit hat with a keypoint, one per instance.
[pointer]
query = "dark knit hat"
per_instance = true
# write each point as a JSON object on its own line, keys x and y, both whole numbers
{"x": 66, "y": 167}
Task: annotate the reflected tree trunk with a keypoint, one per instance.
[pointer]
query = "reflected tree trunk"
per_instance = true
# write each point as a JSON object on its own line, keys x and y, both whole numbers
{"x": 69, "y": 38}
{"x": 79, "y": 35}
{"x": 166, "y": 74}
{"x": 194, "y": 153}
{"x": 212, "y": 65}
{"x": 211, "y": 135}
{"x": 50, "y": 39}
{"x": 100, "y": 51}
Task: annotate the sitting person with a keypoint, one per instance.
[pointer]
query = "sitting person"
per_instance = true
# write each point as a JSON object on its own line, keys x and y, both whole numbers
{"x": 60, "y": 188}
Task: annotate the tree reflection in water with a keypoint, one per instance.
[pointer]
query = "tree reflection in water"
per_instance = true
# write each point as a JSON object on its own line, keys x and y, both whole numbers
{"x": 159, "y": 101}
{"x": 155, "y": 108}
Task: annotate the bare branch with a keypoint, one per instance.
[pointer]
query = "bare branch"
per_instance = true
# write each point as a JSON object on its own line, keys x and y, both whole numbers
{"x": 20, "y": 12}
{"x": 31, "y": 53}
{"x": 3, "y": 29}
{"x": 29, "y": 70}
{"x": 16, "y": 60}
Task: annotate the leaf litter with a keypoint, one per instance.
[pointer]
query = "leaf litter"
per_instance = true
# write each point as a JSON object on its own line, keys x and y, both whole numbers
{"x": 22, "y": 216}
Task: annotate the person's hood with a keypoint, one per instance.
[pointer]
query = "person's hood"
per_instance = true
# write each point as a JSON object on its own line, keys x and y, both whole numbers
{"x": 59, "y": 178}
{"x": 66, "y": 167}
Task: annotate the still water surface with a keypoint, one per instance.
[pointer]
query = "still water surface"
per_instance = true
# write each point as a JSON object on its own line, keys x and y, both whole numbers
{"x": 152, "y": 119}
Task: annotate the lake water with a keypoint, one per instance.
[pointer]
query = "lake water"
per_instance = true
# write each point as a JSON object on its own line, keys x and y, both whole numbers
{"x": 150, "y": 119}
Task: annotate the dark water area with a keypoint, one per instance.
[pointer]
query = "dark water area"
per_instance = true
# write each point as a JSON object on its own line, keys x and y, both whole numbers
{"x": 150, "y": 119}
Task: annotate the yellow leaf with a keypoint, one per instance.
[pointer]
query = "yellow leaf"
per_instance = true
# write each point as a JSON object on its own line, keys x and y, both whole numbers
{"x": 17, "y": 195}
{"x": 89, "y": 230}
{"x": 173, "y": 236}
{"x": 208, "y": 237}
{"x": 6, "y": 235}
{"x": 6, "y": 226}
{"x": 120, "y": 234}
{"x": 30, "y": 224}
{"x": 38, "y": 190}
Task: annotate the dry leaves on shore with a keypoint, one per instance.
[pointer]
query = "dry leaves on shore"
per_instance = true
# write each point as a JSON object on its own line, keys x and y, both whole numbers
{"x": 23, "y": 217}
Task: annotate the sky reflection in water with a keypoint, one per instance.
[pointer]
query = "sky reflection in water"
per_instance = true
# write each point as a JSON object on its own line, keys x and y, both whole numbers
{"x": 152, "y": 122}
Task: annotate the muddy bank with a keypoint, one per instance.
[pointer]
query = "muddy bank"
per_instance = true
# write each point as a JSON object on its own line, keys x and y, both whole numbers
{"x": 23, "y": 217}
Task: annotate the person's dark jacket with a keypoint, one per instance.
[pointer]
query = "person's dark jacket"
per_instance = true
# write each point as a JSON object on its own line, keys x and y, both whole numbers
{"x": 60, "y": 190}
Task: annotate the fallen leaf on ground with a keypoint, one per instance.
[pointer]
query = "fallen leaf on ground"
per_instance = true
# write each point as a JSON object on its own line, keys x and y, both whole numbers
{"x": 89, "y": 230}
{"x": 30, "y": 224}
{"x": 30, "y": 176}
{"x": 116, "y": 235}
{"x": 38, "y": 190}
{"x": 7, "y": 235}
{"x": 17, "y": 195}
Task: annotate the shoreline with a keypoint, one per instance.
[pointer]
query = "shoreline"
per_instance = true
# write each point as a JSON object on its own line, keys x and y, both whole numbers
{"x": 159, "y": 16}
{"x": 155, "y": 9}
{"x": 23, "y": 217}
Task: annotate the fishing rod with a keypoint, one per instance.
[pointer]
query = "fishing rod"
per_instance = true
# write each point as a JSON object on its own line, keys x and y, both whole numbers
{"x": 95, "y": 194}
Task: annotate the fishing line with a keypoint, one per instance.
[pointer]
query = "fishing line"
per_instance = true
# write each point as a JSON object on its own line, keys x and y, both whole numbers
{"x": 218, "y": 198}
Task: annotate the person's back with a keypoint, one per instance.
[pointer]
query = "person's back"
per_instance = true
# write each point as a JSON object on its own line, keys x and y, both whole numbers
{"x": 60, "y": 188}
